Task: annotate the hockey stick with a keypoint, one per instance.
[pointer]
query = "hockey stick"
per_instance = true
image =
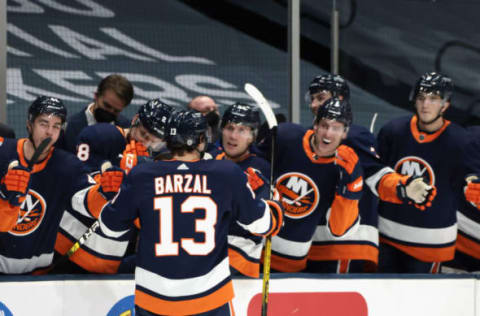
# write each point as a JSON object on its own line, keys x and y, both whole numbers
{"x": 272, "y": 125}
{"x": 372, "y": 123}
{"x": 81, "y": 241}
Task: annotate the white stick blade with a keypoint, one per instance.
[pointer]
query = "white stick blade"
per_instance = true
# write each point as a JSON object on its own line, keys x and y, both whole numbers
{"x": 262, "y": 103}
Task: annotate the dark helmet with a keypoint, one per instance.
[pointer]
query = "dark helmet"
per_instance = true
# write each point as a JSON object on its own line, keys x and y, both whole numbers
{"x": 433, "y": 82}
{"x": 335, "y": 84}
{"x": 185, "y": 129}
{"x": 47, "y": 105}
{"x": 154, "y": 115}
{"x": 240, "y": 113}
{"x": 335, "y": 109}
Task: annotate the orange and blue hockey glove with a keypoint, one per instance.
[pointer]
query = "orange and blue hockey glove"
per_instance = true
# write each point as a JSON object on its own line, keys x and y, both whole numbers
{"x": 110, "y": 180}
{"x": 15, "y": 183}
{"x": 472, "y": 189}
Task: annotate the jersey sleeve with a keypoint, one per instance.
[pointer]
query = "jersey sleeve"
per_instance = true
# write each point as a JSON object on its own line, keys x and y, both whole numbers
{"x": 251, "y": 214}
{"x": 118, "y": 215}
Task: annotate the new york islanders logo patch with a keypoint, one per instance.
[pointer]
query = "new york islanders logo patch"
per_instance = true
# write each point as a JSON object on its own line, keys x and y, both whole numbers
{"x": 32, "y": 212}
{"x": 416, "y": 166}
{"x": 298, "y": 193}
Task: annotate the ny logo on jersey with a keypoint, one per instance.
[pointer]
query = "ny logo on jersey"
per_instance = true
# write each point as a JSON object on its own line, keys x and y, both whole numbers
{"x": 416, "y": 166}
{"x": 299, "y": 194}
{"x": 32, "y": 212}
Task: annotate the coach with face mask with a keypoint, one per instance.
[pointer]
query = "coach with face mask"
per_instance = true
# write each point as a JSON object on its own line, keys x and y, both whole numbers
{"x": 114, "y": 93}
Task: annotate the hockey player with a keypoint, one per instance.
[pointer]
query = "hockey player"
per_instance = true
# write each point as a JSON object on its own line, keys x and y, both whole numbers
{"x": 361, "y": 249}
{"x": 429, "y": 146}
{"x": 467, "y": 247}
{"x": 320, "y": 183}
{"x": 96, "y": 144}
{"x": 239, "y": 127}
{"x": 32, "y": 201}
{"x": 186, "y": 206}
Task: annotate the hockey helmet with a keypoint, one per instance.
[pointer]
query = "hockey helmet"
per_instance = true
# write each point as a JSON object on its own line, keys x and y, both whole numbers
{"x": 335, "y": 84}
{"x": 154, "y": 115}
{"x": 47, "y": 105}
{"x": 185, "y": 129}
{"x": 335, "y": 109}
{"x": 433, "y": 82}
{"x": 240, "y": 113}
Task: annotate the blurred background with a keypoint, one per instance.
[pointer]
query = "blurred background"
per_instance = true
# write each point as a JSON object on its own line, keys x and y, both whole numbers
{"x": 178, "y": 49}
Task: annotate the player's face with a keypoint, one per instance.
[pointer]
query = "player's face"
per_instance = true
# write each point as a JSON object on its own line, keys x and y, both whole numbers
{"x": 319, "y": 98}
{"x": 328, "y": 136}
{"x": 45, "y": 125}
{"x": 429, "y": 106}
{"x": 140, "y": 134}
{"x": 236, "y": 139}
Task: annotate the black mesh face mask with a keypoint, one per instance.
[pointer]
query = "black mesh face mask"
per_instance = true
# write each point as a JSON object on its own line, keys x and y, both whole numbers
{"x": 103, "y": 116}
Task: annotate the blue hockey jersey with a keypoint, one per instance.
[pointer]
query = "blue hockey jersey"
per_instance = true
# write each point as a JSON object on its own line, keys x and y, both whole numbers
{"x": 308, "y": 185}
{"x": 185, "y": 211}
{"x": 439, "y": 158}
{"x": 95, "y": 144}
{"x": 57, "y": 182}
{"x": 245, "y": 249}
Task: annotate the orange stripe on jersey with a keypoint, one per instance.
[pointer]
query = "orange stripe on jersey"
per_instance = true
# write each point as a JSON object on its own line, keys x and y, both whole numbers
{"x": 424, "y": 253}
{"x": 136, "y": 222}
{"x": 220, "y": 156}
{"x": 468, "y": 246}
{"x": 287, "y": 265}
{"x": 185, "y": 307}
{"x": 243, "y": 265}
{"x": 343, "y": 252}
{"x": 121, "y": 130}
{"x": 36, "y": 167}
{"x": 387, "y": 187}
{"x": 85, "y": 259}
{"x": 422, "y": 137}
{"x": 9, "y": 215}
{"x": 62, "y": 244}
{"x": 95, "y": 201}
{"x": 344, "y": 213}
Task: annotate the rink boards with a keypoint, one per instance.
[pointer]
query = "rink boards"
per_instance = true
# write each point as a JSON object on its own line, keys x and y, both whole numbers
{"x": 291, "y": 294}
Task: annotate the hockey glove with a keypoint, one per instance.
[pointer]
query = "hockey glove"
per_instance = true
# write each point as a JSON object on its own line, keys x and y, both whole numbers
{"x": 414, "y": 190}
{"x": 472, "y": 189}
{"x": 132, "y": 154}
{"x": 276, "y": 210}
{"x": 110, "y": 181}
{"x": 258, "y": 183}
{"x": 14, "y": 184}
{"x": 350, "y": 183}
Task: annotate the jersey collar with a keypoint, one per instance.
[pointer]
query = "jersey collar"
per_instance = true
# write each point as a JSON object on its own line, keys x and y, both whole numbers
{"x": 37, "y": 167}
{"x": 422, "y": 137}
{"x": 309, "y": 151}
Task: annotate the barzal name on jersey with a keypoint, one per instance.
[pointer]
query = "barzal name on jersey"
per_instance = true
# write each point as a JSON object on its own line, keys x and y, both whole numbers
{"x": 99, "y": 254}
{"x": 185, "y": 211}
{"x": 439, "y": 158}
{"x": 56, "y": 183}
{"x": 245, "y": 249}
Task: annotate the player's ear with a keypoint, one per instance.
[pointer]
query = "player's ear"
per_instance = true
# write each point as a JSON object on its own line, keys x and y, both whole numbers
{"x": 445, "y": 106}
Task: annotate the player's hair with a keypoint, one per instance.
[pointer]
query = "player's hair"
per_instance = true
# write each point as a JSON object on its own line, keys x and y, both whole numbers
{"x": 119, "y": 85}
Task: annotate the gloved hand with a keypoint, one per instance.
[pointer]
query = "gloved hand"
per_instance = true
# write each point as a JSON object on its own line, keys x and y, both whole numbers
{"x": 350, "y": 183}
{"x": 258, "y": 183}
{"x": 15, "y": 183}
{"x": 472, "y": 189}
{"x": 131, "y": 155}
{"x": 276, "y": 210}
{"x": 414, "y": 190}
{"x": 110, "y": 180}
